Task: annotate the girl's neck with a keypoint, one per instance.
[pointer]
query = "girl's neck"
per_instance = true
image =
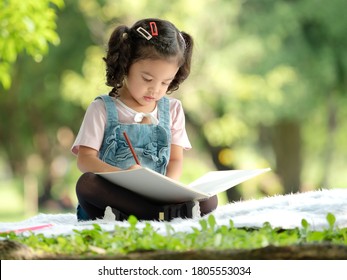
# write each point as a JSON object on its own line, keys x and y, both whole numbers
{"x": 129, "y": 101}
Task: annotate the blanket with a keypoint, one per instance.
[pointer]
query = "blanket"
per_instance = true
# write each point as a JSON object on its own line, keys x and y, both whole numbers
{"x": 284, "y": 211}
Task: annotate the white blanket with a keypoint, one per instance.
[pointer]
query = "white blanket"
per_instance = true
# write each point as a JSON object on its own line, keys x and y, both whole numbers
{"x": 285, "y": 211}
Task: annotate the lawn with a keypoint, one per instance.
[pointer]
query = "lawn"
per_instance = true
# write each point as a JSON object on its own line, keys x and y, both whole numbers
{"x": 209, "y": 241}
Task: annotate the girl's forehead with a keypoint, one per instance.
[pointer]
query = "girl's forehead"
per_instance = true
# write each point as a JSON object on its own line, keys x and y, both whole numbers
{"x": 156, "y": 67}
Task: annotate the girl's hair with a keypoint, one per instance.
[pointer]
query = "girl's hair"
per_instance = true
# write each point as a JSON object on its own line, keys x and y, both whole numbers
{"x": 147, "y": 39}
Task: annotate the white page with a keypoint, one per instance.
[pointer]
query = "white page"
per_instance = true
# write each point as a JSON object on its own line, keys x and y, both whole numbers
{"x": 153, "y": 185}
{"x": 156, "y": 186}
{"x": 218, "y": 181}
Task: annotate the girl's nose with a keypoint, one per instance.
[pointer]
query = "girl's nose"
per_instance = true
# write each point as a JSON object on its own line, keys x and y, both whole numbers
{"x": 154, "y": 89}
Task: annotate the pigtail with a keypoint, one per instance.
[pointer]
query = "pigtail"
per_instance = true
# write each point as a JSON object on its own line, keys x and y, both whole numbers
{"x": 117, "y": 58}
{"x": 184, "y": 71}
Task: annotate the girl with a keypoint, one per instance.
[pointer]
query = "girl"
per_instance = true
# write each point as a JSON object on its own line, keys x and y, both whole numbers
{"x": 143, "y": 64}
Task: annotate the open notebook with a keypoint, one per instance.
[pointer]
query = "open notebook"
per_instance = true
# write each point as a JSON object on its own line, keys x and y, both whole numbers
{"x": 158, "y": 187}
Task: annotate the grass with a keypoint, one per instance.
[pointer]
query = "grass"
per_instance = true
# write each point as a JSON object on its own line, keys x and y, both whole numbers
{"x": 209, "y": 236}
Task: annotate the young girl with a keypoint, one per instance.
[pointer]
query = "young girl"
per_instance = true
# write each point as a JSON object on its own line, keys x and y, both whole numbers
{"x": 143, "y": 64}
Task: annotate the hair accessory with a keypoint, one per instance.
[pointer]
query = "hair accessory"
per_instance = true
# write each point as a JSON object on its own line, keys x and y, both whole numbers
{"x": 182, "y": 38}
{"x": 144, "y": 33}
{"x": 180, "y": 33}
{"x": 154, "y": 29}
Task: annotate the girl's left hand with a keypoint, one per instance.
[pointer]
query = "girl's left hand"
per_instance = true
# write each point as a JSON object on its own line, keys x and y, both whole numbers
{"x": 135, "y": 166}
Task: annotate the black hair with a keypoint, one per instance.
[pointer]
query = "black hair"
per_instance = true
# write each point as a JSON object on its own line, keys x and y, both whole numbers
{"x": 147, "y": 39}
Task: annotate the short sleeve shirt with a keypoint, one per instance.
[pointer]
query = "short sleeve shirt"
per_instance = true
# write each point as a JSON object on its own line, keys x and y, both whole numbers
{"x": 91, "y": 132}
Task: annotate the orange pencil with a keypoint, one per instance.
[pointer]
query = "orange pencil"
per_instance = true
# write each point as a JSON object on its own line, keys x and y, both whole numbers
{"x": 131, "y": 148}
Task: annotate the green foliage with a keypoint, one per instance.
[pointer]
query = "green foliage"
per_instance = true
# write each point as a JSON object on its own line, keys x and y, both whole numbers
{"x": 25, "y": 26}
{"x": 41, "y": 125}
{"x": 124, "y": 240}
{"x": 331, "y": 234}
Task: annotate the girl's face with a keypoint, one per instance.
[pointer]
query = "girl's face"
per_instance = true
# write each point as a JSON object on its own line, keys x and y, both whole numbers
{"x": 147, "y": 82}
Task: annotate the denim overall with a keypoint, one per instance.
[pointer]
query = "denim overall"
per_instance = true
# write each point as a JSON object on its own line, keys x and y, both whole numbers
{"x": 150, "y": 142}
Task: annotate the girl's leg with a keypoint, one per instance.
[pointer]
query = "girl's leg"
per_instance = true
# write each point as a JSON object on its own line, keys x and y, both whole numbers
{"x": 95, "y": 193}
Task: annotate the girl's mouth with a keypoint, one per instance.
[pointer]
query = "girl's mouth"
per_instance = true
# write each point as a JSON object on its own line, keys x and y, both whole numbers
{"x": 148, "y": 98}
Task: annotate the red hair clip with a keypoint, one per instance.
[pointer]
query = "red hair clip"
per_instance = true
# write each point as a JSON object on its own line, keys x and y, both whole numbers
{"x": 154, "y": 29}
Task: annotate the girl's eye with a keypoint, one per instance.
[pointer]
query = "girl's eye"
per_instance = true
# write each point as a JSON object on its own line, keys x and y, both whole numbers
{"x": 146, "y": 79}
{"x": 166, "y": 83}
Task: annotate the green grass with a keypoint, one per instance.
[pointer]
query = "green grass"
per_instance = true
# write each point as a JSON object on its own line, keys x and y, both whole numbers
{"x": 124, "y": 240}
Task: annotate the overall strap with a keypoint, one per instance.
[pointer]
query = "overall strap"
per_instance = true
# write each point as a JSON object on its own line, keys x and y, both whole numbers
{"x": 164, "y": 113}
{"x": 111, "y": 110}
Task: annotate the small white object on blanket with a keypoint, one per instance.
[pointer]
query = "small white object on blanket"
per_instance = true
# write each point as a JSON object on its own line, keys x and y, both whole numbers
{"x": 196, "y": 210}
{"x": 109, "y": 216}
{"x": 285, "y": 211}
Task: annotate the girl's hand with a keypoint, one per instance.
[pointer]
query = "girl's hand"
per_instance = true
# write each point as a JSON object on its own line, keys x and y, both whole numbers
{"x": 135, "y": 166}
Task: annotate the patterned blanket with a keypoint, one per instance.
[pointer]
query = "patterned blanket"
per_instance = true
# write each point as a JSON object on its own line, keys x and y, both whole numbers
{"x": 284, "y": 211}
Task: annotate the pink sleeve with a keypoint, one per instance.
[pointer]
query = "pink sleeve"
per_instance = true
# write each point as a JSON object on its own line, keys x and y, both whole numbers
{"x": 178, "y": 130}
{"x": 91, "y": 132}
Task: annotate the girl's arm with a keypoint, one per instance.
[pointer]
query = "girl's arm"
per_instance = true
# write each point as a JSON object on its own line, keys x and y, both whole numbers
{"x": 88, "y": 161}
{"x": 175, "y": 166}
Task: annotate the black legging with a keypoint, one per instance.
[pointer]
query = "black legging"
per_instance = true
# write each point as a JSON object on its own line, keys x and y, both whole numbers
{"x": 95, "y": 193}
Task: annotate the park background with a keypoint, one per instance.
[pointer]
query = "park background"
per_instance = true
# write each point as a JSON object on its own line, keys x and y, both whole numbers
{"x": 267, "y": 88}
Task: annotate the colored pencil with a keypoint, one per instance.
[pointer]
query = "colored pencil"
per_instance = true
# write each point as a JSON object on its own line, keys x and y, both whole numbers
{"x": 20, "y": 230}
{"x": 131, "y": 148}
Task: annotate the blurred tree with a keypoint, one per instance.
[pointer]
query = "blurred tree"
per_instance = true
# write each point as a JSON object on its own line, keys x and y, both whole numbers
{"x": 271, "y": 66}
{"x": 304, "y": 66}
{"x": 37, "y": 133}
{"x": 26, "y": 26}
